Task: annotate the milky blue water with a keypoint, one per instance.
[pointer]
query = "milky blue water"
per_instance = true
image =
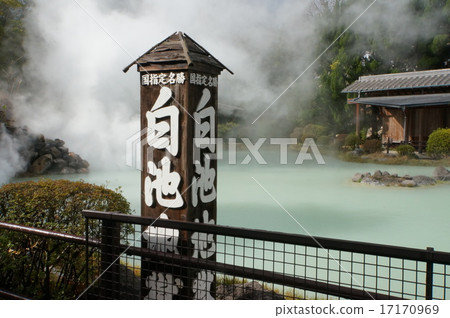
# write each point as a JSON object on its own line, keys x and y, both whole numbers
{"x": 317, "y": 199}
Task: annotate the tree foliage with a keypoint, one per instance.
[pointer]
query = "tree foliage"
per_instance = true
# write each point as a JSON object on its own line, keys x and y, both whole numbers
{"x": 46, "y": 268}
{"x": 355, "y": 54}
{"x": 12, "y": 34}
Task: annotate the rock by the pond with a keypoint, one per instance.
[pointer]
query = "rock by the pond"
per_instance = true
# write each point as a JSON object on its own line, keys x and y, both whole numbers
{"x": 247, "y": 291}
{"x": 41, "y": 164}
{"x": 357, "y": 152}
{"x": 386, "y": 179}
{"x": 68, "y": 170}
{"x": 371, "y": 181}
{"x": 377, "y": 174}
{"x": 441, "y": 174}
{"x": 357, "y": 177}
{"x": 43, "y": 155}
{"x": 408, "y": 183}
{"x": 424, "y": 180}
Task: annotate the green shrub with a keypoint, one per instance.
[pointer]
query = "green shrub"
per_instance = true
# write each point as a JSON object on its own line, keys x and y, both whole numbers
{"x": 323, "y": 140}
{"x": 297, "y": 133}
{"x": 227, "y": 129}
{"x": 351, "y": 141}
{"x": 339, "y": 141}
{"x": 43, "y": 268}
{"x": 363, "y": 135}
{"x": 372, "y": 146}
{"x": 405, "y": 150}
{"x": 313, "y": 131}
{"x": 438, "y": 144}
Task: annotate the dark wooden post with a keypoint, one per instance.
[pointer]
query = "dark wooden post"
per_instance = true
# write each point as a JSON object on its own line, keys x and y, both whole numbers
{"x": 110, "y": 245}
{"x": 429, "y": 275}
{"x": 357, "y": 123}
{"x": 420, "y": 116}
{"x": 405, "y": 131}
{"x": 179, "y": 85}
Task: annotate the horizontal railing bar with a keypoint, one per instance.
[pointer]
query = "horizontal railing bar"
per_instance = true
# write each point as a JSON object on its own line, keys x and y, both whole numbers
{"x": 279, "y": 237}
{"x": 48, "y": 234}
{"x": 257, "y": 274}
{"x": 8, "y": 295}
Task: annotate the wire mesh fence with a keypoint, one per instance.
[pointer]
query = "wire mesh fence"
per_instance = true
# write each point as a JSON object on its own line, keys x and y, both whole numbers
{"x": 142, "y": 258}
{"x": 40, "y": 264}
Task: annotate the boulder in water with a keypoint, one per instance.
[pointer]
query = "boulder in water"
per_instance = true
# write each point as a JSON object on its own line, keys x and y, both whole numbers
{"x": 441, "y": 174}
{"x": 41, "y": 164}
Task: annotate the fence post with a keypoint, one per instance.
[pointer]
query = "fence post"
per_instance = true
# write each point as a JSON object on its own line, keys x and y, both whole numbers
{"x": 110, "y": 242}
{"x": 429, "y": 278}
{"x": 86, "y": 250}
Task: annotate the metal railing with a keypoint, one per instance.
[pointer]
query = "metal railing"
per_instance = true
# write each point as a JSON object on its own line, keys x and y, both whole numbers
{"x": 40, "y": 264}
{"x": 164, "y": 263}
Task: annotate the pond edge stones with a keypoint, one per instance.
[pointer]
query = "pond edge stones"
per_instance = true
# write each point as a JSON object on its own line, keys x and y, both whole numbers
{"x": 386, "y": 179}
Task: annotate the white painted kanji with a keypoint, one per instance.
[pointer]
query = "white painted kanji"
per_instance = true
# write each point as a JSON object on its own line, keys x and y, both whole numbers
{"x": 163, "y": 134}
{"x": 165, "y": 184}
{"x": 204, "y": 130}
{"x": 154, "y": 79}
{"x": 204, "y": 138}
{"x": 204, "y": 244}
{"x": 163, "y": 78}
{"x": 145, "y": 79}
{"x": 162, "y": 286}
{"x": 162, "y": 239}
{"x": 201, "y": 286}
{"x": 180, "y": 78}
{"x": 203, "y": 182}
{"x": 203, "y": 80}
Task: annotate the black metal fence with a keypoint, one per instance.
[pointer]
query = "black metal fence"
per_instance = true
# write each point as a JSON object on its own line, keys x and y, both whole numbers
{"x": 160, "y": 259}
{"x": 40, "y": 264}
{"x": 130, "y": 257}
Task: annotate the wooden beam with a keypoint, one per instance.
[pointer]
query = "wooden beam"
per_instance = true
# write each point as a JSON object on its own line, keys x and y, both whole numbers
{"x": 357, "y": 120}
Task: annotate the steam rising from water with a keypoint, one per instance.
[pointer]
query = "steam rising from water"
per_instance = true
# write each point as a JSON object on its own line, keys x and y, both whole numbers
{"x": 10, "y": 159}
{"x": 79, "y": 93}
{"x": 77, "y": 49}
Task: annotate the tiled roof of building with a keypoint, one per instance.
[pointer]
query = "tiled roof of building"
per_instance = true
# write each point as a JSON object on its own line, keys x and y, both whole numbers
{"x": 405, "y": 101}
{"x": 397, "y": 81}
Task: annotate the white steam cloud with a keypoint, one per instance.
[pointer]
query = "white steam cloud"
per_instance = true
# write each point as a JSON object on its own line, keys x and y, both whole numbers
{"x": 77, "y": 49}
{"x": 10, "y": 158}
{"x": 75, "y": 62}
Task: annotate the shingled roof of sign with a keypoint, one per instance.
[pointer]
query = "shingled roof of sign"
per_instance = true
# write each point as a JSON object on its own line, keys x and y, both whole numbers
{"x": 397, "y": 81}
{"x": 177, "y": 48}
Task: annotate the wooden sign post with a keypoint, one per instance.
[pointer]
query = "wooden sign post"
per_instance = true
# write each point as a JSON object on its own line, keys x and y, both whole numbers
{"x": 179, "y": 80}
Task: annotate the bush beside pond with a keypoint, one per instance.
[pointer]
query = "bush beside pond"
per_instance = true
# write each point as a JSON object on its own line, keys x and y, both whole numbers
{"x": 42, "y": 268}
{"x": 438, "y": 144}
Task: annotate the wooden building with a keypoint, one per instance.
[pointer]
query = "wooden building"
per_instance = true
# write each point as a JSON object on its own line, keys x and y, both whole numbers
{"x": 406, "y": 107}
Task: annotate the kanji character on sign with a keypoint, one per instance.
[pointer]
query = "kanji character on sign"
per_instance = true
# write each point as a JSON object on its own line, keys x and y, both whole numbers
{"x": 203, "y": 185}
{"x": 162, "y": 239}
{"x": 162, "y": 286}
{"x": 180, "y": 78}
{"x": 201, "y": 287}
{"x": 158, "y": 131}
{"x": 204, "y": 130}
{"x": 145, "y": 79}
{"x": 204, "y": 244}
{"x": 165, "y": 184}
